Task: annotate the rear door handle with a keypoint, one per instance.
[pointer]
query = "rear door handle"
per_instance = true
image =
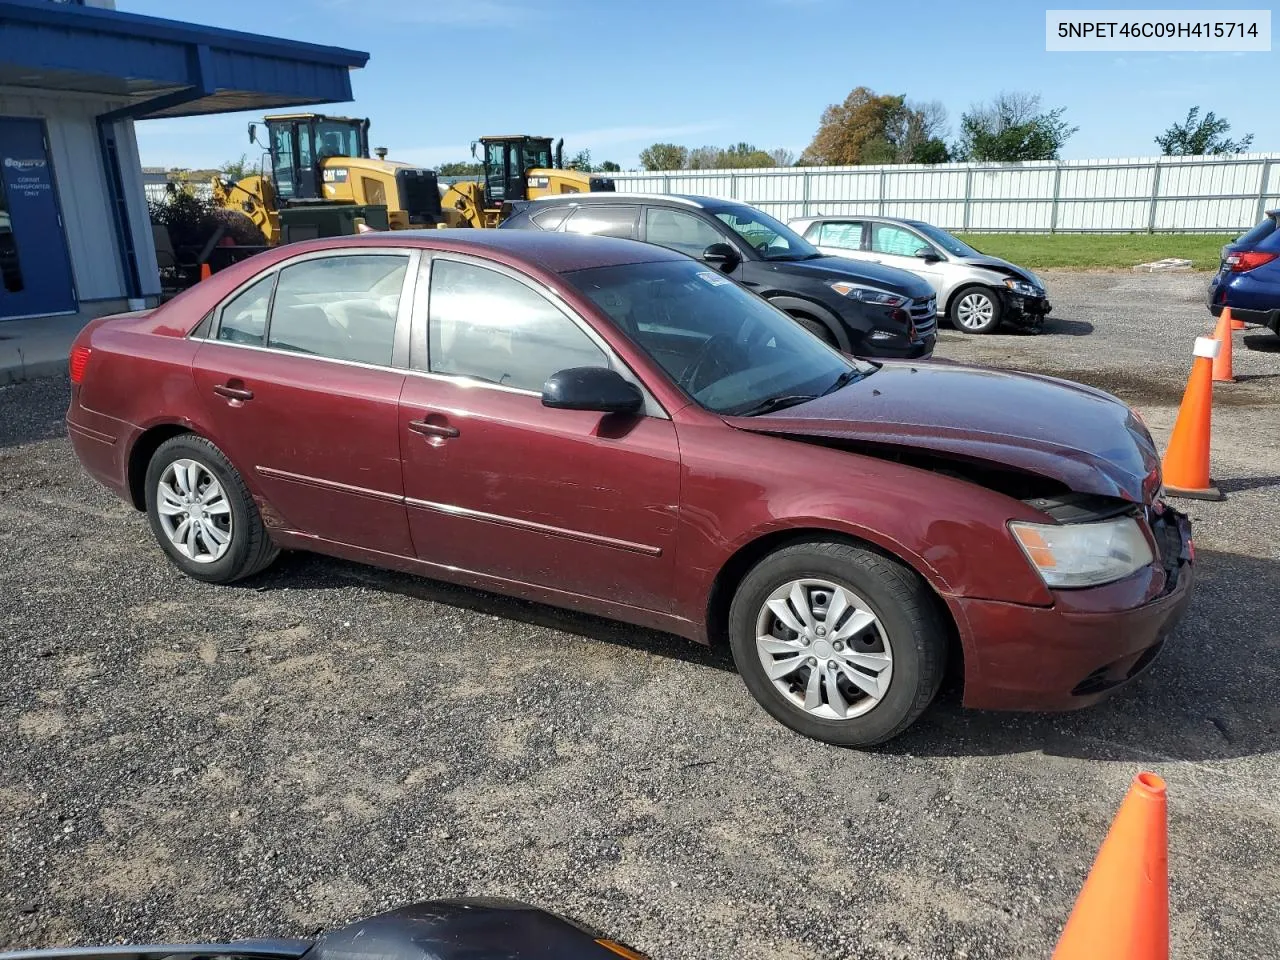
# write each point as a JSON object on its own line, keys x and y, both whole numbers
{"x": 232, "y": 393}
{"x": 441, "y": 430}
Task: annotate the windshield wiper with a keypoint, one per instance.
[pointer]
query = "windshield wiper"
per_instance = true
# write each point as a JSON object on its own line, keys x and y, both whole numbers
{"x": 770, "y": 404}
{"x": 843, "y": 380}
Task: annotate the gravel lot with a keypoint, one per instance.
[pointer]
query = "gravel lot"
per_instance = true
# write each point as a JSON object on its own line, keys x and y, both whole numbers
{"x": 181, "y": 762}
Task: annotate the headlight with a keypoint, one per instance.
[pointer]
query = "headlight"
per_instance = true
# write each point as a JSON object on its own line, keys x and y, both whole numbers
{"x": 1083, "y": 554}
{"x": 1022, "y": 287}
{"x": 856, "y": 291}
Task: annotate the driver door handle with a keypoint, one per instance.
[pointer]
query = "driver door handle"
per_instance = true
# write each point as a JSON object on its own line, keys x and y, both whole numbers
{"x": 232, "y": 393}
{"x": 437, "y": 430}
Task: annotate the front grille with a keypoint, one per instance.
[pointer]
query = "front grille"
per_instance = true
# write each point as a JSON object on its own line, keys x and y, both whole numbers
{"x": 924, "y": 315}
{"x": 420, "y": 195}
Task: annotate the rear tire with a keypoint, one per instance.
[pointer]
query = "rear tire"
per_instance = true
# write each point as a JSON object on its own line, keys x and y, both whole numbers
{"x": 203, "y": 515}
{"x": 870, "y": 630}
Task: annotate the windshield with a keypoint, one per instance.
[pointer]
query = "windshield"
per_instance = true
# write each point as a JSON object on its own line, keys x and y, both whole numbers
{"x": 334, "y": 139}
{"x": 728, "y": 349}
{"x": 767, "y": 236}
{"x": 957, "y": 248}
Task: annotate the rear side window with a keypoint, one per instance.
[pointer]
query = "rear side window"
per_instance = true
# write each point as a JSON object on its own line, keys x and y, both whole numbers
{"x": 343, "y": 308}
{"x": 550, "y": 218}
{"x": 603, "y": 221}
{"x": 679, "y": 231}
{"x": 1266, "y": 235}
{"x": 244, "y": 318}
{"x": 846, "y": 236}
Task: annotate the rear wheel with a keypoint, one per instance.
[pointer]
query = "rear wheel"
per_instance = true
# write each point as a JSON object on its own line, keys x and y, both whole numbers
{"x": 837, "y": 642}
{"x": 976, "y": 310}
{"x": 202, "y": 513}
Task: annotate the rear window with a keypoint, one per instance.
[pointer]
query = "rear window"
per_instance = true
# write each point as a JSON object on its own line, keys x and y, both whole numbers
{"x": 1266, "y": 230}
{"x": 550, "y": 218}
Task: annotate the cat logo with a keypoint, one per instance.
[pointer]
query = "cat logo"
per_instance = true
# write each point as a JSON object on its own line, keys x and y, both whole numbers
{"x": 335, "y": 175}
{"x": 539, "y": 183}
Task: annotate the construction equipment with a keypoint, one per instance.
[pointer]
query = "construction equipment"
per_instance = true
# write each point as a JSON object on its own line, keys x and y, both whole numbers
{"x": 516, "y": 168}
{"x": 318, "y": 161}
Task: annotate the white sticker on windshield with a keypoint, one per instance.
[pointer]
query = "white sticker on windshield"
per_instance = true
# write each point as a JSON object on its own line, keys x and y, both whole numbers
{"x": 715, "y": 279}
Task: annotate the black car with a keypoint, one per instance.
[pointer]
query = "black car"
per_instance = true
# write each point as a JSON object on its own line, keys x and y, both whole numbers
{"x": 862, "y": 308}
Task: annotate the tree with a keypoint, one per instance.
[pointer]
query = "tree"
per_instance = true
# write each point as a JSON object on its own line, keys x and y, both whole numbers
{"x": 782, "y": 157}
{"x": 921, "y": 134}
{"x": 609, "y": 167}
{"x": 580, "y": 161}
{"x": 863, "y": 129}
{"x": 236, "y": 170}
{"x": 743, "y": 155}
{"x": 1196, "y": 137}
{"x": 1012, "y": 128}
{"x": 460, "y": 168}
{"x": 664, "y": 156}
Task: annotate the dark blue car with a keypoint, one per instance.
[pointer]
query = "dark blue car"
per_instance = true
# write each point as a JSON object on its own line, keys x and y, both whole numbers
{"x": 1248, "y": 280}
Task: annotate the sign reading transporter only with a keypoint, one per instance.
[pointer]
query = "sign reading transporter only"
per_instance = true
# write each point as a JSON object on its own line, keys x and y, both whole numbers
{"x": 34, "y": 266}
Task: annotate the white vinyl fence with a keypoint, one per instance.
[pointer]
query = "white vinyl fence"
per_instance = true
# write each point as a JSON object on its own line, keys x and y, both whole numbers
{"x": 1157, "y": 194}
{"x": 1145, "y": 195}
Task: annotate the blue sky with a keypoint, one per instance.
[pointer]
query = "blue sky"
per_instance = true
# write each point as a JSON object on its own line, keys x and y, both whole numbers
{"x": 613, "y": 76}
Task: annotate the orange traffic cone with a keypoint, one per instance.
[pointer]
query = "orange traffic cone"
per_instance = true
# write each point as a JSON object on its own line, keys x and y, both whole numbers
{"x": 1222, "y": 362}
{"x": 205, "y": 271}
{"x": 1235, "y": 324}
{"x": 1123, "y": 911}
{"x": 1186, "y": 462}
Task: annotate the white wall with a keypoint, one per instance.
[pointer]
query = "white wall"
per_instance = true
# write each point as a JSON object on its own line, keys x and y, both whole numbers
{"x": 1205, "y": 194}
{"x": 82, "y": 189}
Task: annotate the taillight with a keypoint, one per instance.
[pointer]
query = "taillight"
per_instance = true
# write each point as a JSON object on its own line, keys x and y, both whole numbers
{"x": 1248, "y": 260}
{"x": 78, "y": 360}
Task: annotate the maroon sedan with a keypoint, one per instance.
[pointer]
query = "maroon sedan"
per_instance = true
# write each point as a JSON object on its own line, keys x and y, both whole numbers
{"x": 613, "y": 427}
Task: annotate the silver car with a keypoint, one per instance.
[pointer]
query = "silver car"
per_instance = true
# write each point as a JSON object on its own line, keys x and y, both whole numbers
{"x": 975, "y": 291}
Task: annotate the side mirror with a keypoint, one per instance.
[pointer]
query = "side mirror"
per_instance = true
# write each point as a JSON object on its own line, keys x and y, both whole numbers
{"x": 928, "y": 255}
{"x": 253, "y": 133}
{"x": 721, "y": 256}
{"x": 591, "y": 388}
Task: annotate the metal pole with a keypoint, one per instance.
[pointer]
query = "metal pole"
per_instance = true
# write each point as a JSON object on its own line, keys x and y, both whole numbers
{"x": 1155, "y": 197}
{"x": 1262, "y": 192}
{"x": 804, "y": 210}
{"x": 1053, "y": 210}
{"x": 733, "y": 186}
{"x": 968, "y": 194}
{"x": 882, "y": 178}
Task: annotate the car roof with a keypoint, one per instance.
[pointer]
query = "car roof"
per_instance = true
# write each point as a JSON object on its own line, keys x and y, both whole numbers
{"x": 825, "y": 217}
{"x": 676, "y": 199}
{"x": 553, "y": 252}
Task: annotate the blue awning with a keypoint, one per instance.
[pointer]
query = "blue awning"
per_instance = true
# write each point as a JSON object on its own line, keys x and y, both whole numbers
{"x": 165, "y": 68}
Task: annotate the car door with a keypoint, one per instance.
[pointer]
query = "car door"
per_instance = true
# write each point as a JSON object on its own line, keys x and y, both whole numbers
{"x": 896, "y": 246}
{"x": 301, "y": 377}
{"x": 680, "y": 231}
{"x": 496, "y": 483}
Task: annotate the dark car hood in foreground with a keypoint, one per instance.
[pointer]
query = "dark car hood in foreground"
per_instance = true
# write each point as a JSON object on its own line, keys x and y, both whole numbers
{"x": 859, "y": 271}
{"x": 1081, "y": 437}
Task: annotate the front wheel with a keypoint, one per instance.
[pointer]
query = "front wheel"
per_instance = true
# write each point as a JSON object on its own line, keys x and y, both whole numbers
{"x": 816, "y": 327}
{"x": 976, "y": 310}
{"x": 202, "y": 513}
{"x": 837, "y": 642}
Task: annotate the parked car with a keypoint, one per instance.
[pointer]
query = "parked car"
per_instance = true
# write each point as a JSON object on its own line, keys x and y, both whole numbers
{"x": 863, "y": 309}
{"x": 1248, "y": 278}
{"x": 614, "y": 427}
{"x": 975, "y": 291}
{"x": 465, "y": 928}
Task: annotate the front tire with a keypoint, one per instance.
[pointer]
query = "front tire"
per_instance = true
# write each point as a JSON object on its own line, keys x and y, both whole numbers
{"x": 976, "y": 310}
{"x": 816, "y": 327}
{"x": 202, "y": 514}
{"x": 837, "y": 642}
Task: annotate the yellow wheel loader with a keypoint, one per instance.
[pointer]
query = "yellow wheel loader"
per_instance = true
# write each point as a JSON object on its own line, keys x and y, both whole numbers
{"x": 516, "y": 168}
{"x": 317, "y": 161}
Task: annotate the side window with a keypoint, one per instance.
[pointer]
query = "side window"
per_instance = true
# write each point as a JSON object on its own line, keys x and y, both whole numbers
{"x": 551, "y": 217}
{"x": 486, "y": 325}
{"x": 846, "y": 236}
{"x": 244, "y": 318}
{"x": 679, "y": 231}
{"x": 887, "y": 238}
{"x": 603, "y": 221}
{"x": 343, "y": 308}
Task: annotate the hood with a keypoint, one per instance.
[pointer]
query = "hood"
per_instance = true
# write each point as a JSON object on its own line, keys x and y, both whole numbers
{"x": 1002, "y": 267}
{"x": 823, "y": 269}
{"x": 1081, "y": 437}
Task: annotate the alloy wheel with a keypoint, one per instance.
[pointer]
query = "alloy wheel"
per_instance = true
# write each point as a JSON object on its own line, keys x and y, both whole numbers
{"x": 975, "y": 310}
{"x": 194, "y": 511}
